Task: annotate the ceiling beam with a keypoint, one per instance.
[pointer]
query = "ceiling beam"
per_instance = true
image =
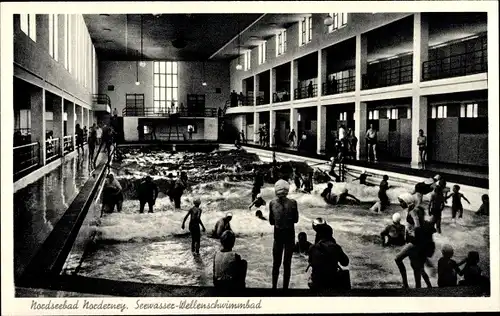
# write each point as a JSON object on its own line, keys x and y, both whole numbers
{"x": 230, "y": 41}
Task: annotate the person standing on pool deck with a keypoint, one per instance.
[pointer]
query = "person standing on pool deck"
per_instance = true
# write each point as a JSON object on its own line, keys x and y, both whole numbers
{"x": 371, "y": 140}
{"x": 194, "y": 225}
{"x": 283, "y": 215}
{"x": 422, "y": 147}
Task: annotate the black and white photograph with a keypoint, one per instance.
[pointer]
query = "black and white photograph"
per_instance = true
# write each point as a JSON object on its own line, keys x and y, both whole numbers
{"x": 222, "y": 157}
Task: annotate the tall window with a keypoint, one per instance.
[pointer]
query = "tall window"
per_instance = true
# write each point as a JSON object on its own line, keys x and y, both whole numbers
{"x": 247, "y": 55}
{"x": 281, "y": 43}
{"x": 440, "y": 111}
{"x": 165, "y": 85}
{"x": 262, "y": 52}
{"x": 54, "y": 36}
{"x": 468, "y": 110}
{"x": 392, "y": 114}
{"x": 305, "y": 30}
{"x": 373, "y": 115}
{"x": 343, "y": 116}
{"x": 339, "y": 21}
{"x": 69, "y": 47}
{"x": 66, "y": 51}
{"x": 28, "y": 25}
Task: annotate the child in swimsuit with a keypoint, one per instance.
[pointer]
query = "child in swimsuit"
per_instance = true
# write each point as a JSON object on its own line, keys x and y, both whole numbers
{"x": 456, "y": 204}
{"x": 194, "y": 225}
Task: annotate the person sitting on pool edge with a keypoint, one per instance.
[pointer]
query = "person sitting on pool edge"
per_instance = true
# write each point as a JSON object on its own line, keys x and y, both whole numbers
{"x": 302, "y": 246}
{"x": 394, "y": 233}
{"x": 229, "y": 270}
{"x": 222, "y": 225}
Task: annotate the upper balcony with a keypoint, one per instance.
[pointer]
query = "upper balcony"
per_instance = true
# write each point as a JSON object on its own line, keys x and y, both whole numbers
{"x": 385, "y": 77}
{"x": 168, "y": 113}
{"x": 101, "y": 102}
{"x": 309, "y": 91}
{"x": 337, "y": 86}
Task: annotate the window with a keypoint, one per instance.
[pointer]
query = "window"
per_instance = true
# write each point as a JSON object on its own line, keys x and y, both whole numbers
{"x": 69, "y": 47}
{"x": 468, "y": 110}
{"x": 392, "y": 114}
{"x": 373, "y": 115}
{"x": 305, "y": 30}
{"x": 262, "y": 52}
{"x": 247, "y": 55}
{"x": 339, "y": 21}
{"x": 281, "y": 43}
{"x": 408, "y": 113}
{"x": 440, "y": 111}
{"x": 165, "y": 86}
{"x": 54, "y": 36}
{"x": 66, "y": 46}
{"x": 28, "y": 25}
{"x": 343, "y": 116}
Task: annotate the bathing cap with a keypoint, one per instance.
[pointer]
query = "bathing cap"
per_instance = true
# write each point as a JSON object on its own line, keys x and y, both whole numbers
{"x": 396, "y": 217}
{"x": 281, "y": 187}
{"x": 407, "y": 198}
{"x": 437, "y": 177}
{"x": 229, "y": 214}
{"x": 447, "y": 249}
{"x": 197, "y": 201}
{"x": 259, "y": 195}
{"x": 318, "y": 221}
{"x": 429, "y": 181}
{"x": 332, "y": 159}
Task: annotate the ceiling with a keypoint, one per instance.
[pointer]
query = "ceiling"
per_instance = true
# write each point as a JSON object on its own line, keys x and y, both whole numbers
{"x": 118, "y": 36}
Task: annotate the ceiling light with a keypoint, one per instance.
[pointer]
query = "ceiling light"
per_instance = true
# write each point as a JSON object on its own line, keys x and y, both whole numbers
{"x": 239, "y": 67}
{"x": 204, "y": 83}
{"x": 137, "y": 83}
{"x": 328, "y": 20}
{"x": 142, "y": 63}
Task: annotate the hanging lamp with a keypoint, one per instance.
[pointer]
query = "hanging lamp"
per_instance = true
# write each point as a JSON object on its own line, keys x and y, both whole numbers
{"x": 142, "y": 63}
{"x": 239, "y": 66}
{"x": 137, "y": 82}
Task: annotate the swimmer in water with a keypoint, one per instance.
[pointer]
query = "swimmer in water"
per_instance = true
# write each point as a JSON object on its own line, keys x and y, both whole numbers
{"x": 327, "y": 194}
{"x": 382, "y": 193}
{"x": 425, "y": 187}
{"x": 258, "y": 202}
{"x": 362, "y": 178}
{"x": 302, "y": 246}
{"x": 456, "y": 204}
{"x": 283, "y": 215}
{"x": 307, "y": 184}
{"x": 147, "y": 192}
{"x": 297, "y": 179}
{"x": 447, "y": 268}
{"x": 345, "y": 196}
{"x": 230, "y": 269}
{"x": 436, "y": 206}
{"x": 194, "y": 225}
{"x": 394, "y": 233}
{"x": 332, "y": 172}
{"x": 259, "y": 215}
{"x": 484, "y": 209}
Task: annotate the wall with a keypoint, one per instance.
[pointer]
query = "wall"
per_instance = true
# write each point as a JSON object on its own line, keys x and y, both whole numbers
{"x": 34, "y": 57}
{"x": 122, "y": 74}
{"x": 211, "y": 128}
{"x": 130, "y": 132}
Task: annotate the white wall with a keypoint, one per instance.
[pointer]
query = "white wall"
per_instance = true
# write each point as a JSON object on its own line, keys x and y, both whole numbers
{"x": 211, "y": 129}
{"x": 130, "y": 128}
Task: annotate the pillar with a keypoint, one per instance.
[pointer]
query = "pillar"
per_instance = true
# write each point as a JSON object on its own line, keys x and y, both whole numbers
{"x": 419, "y": 110}
{"x": 293, "y": 121}
{"x": 360, "y": 108}
{"x": 58, "y": 121}
{"x": 256, "y": 82}
{"x": 272, "y": 84}
{"x": 256, "y": 126}
{"x": 37, "y": 99}
{"x": 294, "y": 78}
{"x": 360, "y": 119}
{"x": 272, "y": 126}
{"x": 321, "y": 132}
{"x": 86, "y": 120}
{"x": 321, "y": 71}
{"x": 70, "y": 123}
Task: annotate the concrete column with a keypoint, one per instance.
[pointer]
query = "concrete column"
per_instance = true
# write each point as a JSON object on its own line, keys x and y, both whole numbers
{"x": 419, "y": 104}
{"x": 243, "y": 125}
{"x": 321, "y": 132}
{"x": 360, "y": 118}
{"x": 361, "y": 60}
{"x": 256, "y": 126}
{"x": 294, "y": 78}
{"x": 272, "y": 84}
{"x": 294, "y": 123}
{"x": 256, "y": 82}
{"x": 321, "y": 70}
{"x": 272, "y": 126}
{"x": 70, "y": 123}
{"x": 58, "y": 121}
{"x": 86, "y": 119}
{"x": 38, "y": 120}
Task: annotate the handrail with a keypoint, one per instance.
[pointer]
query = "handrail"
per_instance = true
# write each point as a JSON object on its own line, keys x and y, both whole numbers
{"x": 338, "y": 86}
{"x": 388, "y": 77}
{"x": 285, "y": 97}
{"x": 154, "y": 112}
{"x": 101, "y": 99}
{"x": 456, "y": 65}
{"x": 26, "y": 145}
{"x": 305, "y": 92}
{"x": 25, "y": 157}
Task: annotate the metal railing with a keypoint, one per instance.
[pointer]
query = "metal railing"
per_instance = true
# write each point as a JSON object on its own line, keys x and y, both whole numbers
{"x": 101, "y": 99}
{"x": 26, "y": 157}
{"x": 306, "y": 92}
{"x": 388, "y": 77}
{"x": 68, "y": 144}
{"x": 155, "y": 112}
{"x": 52, "y": 148}
{"x": 456, "y": 65}
{"x": 261, "y": 100}
{"x": 281, "y": 97}
{"x": 339, "y": 86}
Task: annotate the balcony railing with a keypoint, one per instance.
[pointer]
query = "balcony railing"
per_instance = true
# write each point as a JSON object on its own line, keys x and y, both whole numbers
{"x": 339, "y": 86}
{"x": 68, "y": 144}
{"x": 306, "y": 92}
{"x": 281, "y": 97}
{"x": 52, "y": 148}
{"x": 26, "y": 157}
{"x": 155, "y": 112}
{"x": 261, "y": 100}
{"x": 388, "y": 77}
{"x": 456, "y": 65}
{"x": 101, "y": 99}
